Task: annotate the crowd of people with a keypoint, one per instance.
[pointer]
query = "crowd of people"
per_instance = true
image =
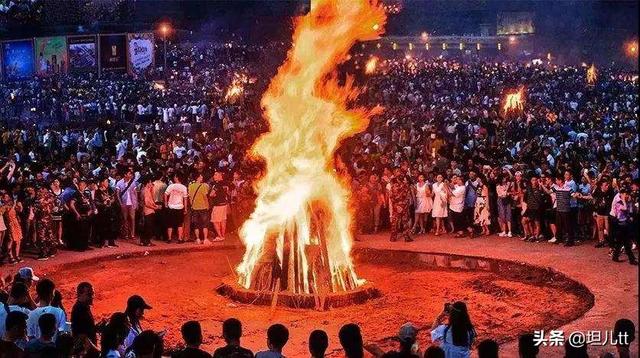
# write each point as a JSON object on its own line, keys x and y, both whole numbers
{"x": 41, "y": 328}
{"x": 87, "y": 160}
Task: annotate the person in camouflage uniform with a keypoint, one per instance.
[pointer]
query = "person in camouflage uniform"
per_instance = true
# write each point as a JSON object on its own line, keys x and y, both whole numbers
{"x": 400, "y": 202}
{"x": 46, "y": 241}
{"x": 364, "y": 212}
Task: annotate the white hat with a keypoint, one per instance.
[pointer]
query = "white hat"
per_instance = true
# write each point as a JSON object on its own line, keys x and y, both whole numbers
{"x": 27, "y": 274}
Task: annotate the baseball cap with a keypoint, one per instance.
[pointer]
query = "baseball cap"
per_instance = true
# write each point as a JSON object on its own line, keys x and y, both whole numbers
{"x": 136, "y": 301}
{"x": 408, "y": 332}
{"x": 27, "y": 274}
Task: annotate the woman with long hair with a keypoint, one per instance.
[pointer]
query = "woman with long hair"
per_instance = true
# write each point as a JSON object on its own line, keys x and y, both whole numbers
{"x": 440, "y": 198}
{"x": 424, "y": 204}
{"x": 504, "y": 205}
{"x": 456, "y": 336}
{"x": 113, "y": 336}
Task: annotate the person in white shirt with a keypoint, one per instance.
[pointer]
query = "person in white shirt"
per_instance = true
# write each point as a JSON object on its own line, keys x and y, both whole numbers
{"x": 175, "y": 200}
{"x": 456, "y": 204}
{"x": 126, "y": 193}
{"x": 45, "y": 290}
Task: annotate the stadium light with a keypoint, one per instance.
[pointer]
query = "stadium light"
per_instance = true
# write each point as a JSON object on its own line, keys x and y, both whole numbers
{"x": 165, "y": 29}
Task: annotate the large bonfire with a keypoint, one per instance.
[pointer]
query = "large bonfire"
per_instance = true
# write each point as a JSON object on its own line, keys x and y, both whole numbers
{"x": 298, "y": 239}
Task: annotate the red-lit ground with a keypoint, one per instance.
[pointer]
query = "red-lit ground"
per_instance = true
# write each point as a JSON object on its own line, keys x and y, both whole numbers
{"x": 180, "y": 287}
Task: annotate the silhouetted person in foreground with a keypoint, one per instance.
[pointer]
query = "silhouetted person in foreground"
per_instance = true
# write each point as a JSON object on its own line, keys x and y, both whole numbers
{"x": 232, "y": 331}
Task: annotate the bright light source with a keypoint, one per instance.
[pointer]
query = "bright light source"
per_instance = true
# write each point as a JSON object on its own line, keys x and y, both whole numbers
{"x": 164, "y": 29}
{"x": 632, "y": 48}
{"x": 512, "y": 39}
{"x": 424, "y": 36}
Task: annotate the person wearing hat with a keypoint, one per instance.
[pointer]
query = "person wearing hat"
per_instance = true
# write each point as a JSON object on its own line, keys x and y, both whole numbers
{"x": 136, "y": 306}
{"x": 26, "y": 275}
{"x": 408, "y": 347}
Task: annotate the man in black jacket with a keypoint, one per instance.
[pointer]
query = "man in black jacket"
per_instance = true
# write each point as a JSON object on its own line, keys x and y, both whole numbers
{"x": 82, "y": 322}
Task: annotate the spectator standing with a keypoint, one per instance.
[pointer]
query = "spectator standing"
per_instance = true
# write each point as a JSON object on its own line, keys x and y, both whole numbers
{"x": 11, "y": 210}
{"x": 456, "y": 205}
{"x": 504, "y": 205}
{"x": 563, "y": 194}
{"x": 58, "y": 209}
{"x": 440, "y": 201}
{"x": 159, "y": 187}
{"x": 107, "y": 214}
{"x": 176, "y": 197}
{"x": 400, "y": 199}
{"x": 45, "y": 237}
{"x": 126, "y": 193}
{"x": 424, "y": 204}
{"x": 602, "y": 197}
{"x": 199, "y": 203}
{"x": 149, "y": 211}
{"x": 623, "y": 212}
{"x": 219, "y": 195}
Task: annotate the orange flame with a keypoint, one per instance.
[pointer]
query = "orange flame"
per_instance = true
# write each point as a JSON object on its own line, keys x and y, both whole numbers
{"x": 514, "y": 101}
{"x": 592, "y": 75}
{"x": 300, "y": 230}
{"x": 236, "y": 89}
{"x": 370, "y": 67}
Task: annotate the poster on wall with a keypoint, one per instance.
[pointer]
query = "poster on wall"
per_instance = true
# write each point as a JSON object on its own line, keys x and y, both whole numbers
{"x": 51, "y": 55}
{"x": 141, "y": 53}
{"x": 82, "y": 53}
{"x": 17, "y": 60}
{"x": 113, "y": 52}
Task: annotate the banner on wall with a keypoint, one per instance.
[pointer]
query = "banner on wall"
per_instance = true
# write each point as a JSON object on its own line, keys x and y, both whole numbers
{"x": 82, "y": 53}
{"x": 51, "y": 55}
{"x": 113, "y": 52}
{"x": 17, "y": 60}
{"x": 141, "y": 53}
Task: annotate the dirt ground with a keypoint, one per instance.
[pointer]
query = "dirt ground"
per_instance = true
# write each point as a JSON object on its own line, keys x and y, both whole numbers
{"x": 181, "y": 287}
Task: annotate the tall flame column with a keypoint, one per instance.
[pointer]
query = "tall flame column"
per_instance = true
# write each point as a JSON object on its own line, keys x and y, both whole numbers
{"x": 298, "y": 239}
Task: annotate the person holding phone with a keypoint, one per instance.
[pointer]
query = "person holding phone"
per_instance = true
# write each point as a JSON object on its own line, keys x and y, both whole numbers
{"x": 453, "y": 331}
